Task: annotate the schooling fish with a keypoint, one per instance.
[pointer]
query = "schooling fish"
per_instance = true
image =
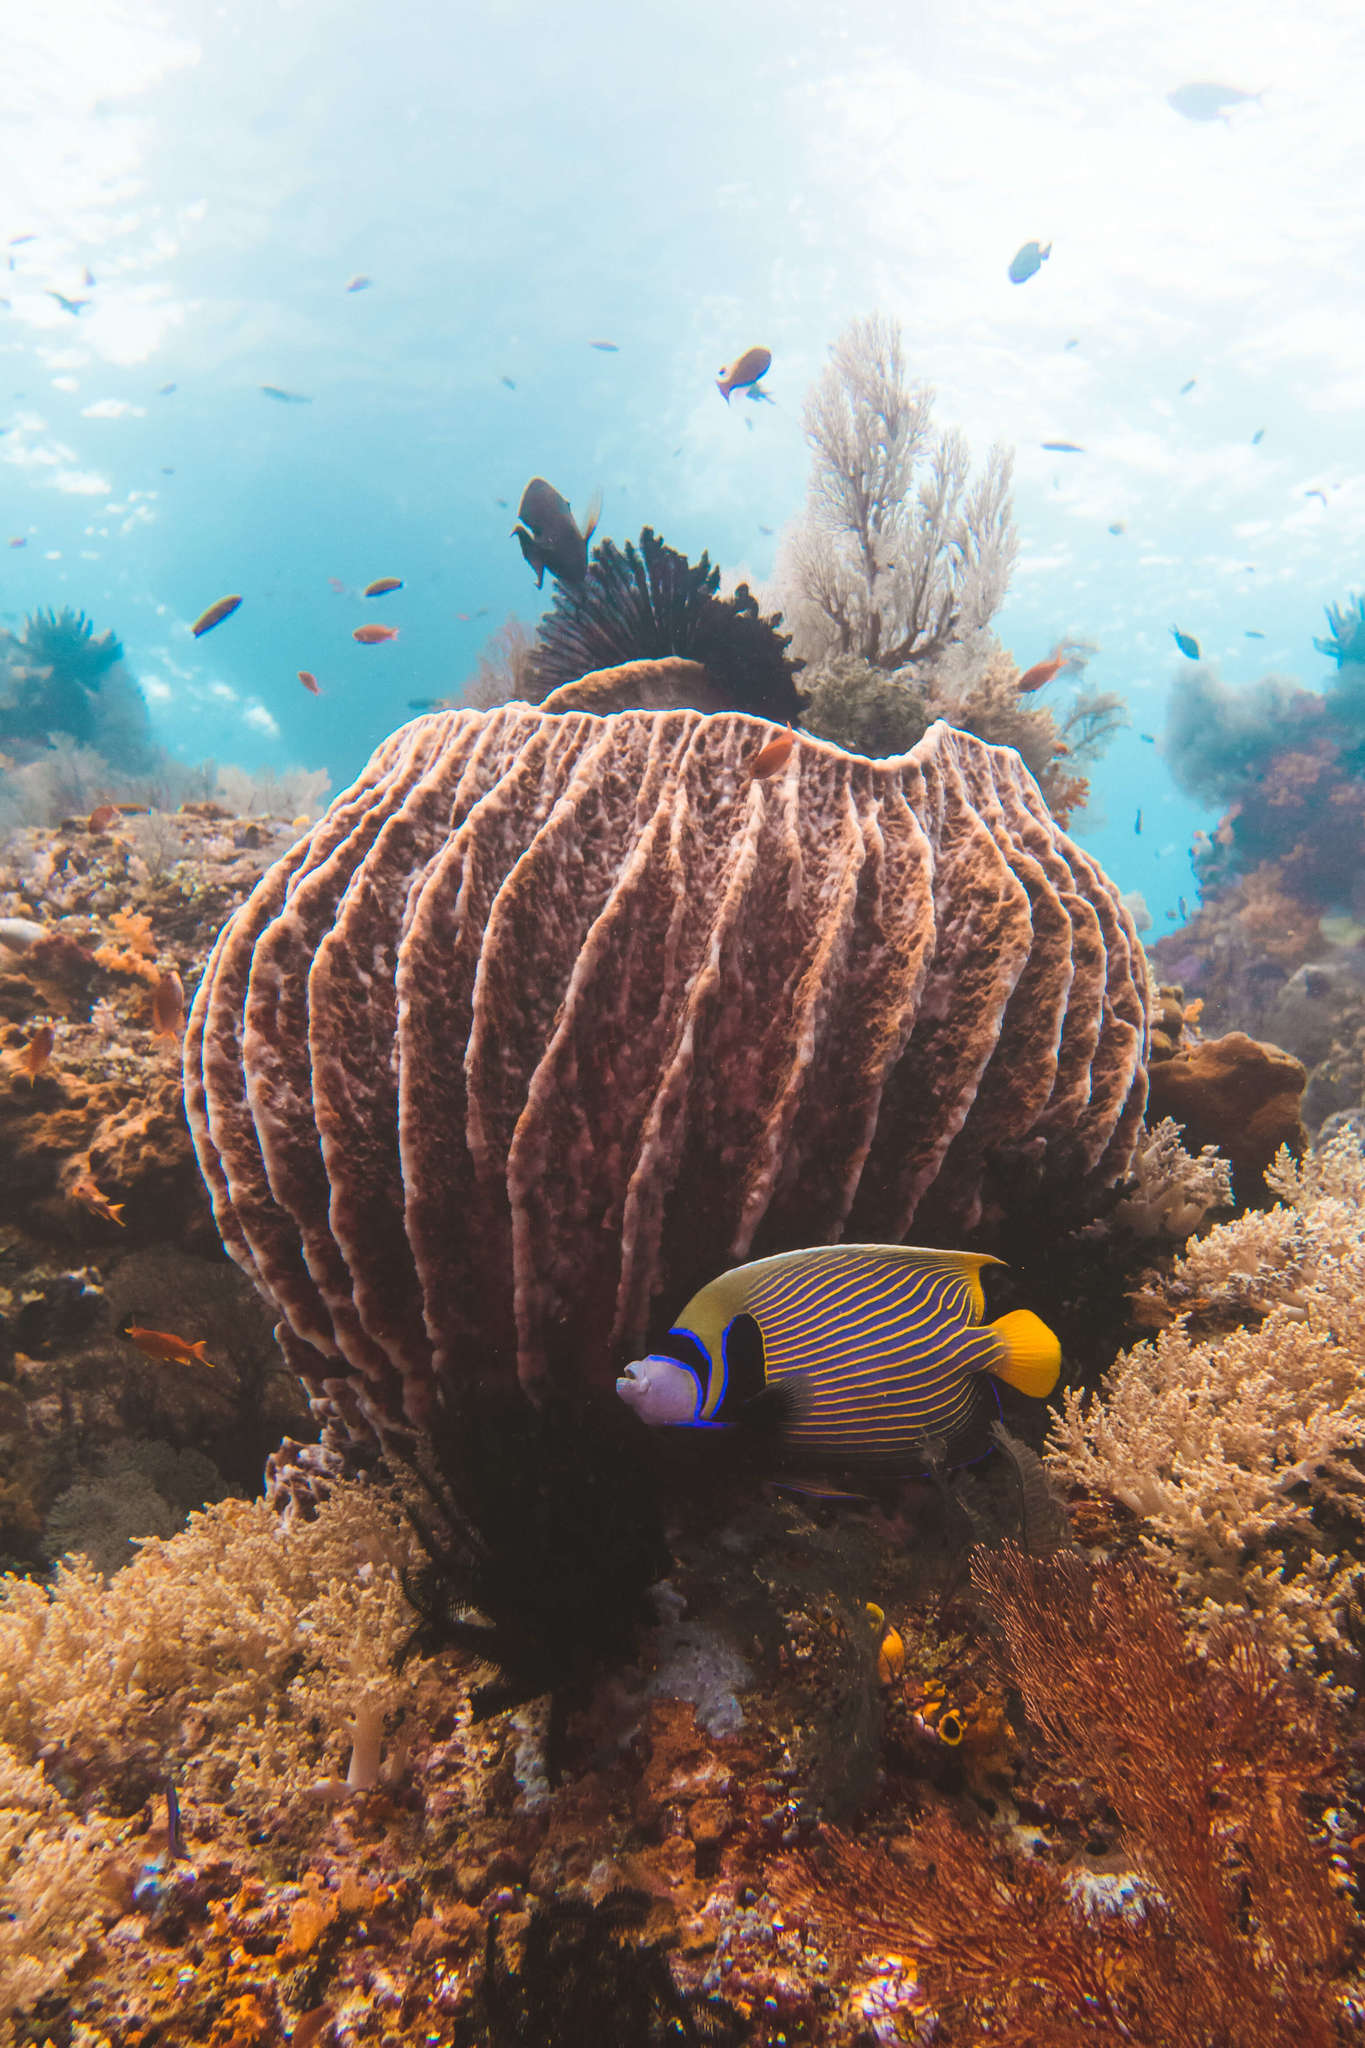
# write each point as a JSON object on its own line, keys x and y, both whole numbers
{"x": 285, "y": 397}
{"x": 1063, "y": 447}
{"x": 1206, "y": 101}
{"x": 606, "y": 348}
{"x": 1041, "y": 672}
{"x": 371, "y": 635}
{"x": 548, "y": 536}
{"x": 381, "y": 585}
{"x": 1186, "y": 642}
{"x": 215, "y": 615}
{"x": 310, "y": 681}
{"x": 75, "y": 307}
{"x": 163, "y": 1345}
{"x": 843, "y": 1353}
{"x": 1187, "y": 388}
{"x": 1137, "y": 823}
{"x": 744, "y": 371}
{"x": 1028, "y": 261}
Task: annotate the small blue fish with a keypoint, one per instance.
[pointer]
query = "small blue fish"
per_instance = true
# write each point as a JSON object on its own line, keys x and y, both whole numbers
{"x": 1028, "y": 261}
{"x": 1205, "y": 101}
{"x": 1149, "y": 737}
{"x": 1063, "y": 447}
{"x": 1183, "y": 907}
{"x": 1118, "y": 527}
{"x": 1188, "y": 387}
{"x": 285, "y": 397}
{"x": 75, "y": 307}
{"x": 1258, "y": 437}
{"x": 1187, "y": 643}
{"x": 1137, "y": 824}
{"x": 1252, "y": 634}
{"x": 843, "y": 1353}
{"x": 606, "y": 348}
{"x": 510, "y": 382}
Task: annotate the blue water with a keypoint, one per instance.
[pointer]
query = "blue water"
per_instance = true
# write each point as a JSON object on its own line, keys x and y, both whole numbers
{"x": 520, "y": 180}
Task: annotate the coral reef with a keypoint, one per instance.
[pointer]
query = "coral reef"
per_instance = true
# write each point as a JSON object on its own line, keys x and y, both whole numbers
{"x": 1237, "y": 1095}
{"x": 650, "y": 604}
{"x": 1217, "y": 1918}
{"x": 1233, "y": 1433}
{"x": 1174, "y": 1189}
{"x": 898, "y": 553}
{"x": 58, "y": 679}
{"x": 552, "y": 1017}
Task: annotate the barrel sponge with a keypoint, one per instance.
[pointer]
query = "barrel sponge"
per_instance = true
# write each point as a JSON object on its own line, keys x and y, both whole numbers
{"x": 558, "y": 1012}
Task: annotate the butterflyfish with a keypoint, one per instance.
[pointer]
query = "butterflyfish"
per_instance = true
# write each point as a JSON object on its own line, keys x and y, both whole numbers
{"x": 222, "y": 609}
{"x": 548, "y": 534}
{"x": 1187, "y": 643}
{"x": 371, "y": 635}
{"x": 744, "y": 372}
{"x": 843, "y": 1354}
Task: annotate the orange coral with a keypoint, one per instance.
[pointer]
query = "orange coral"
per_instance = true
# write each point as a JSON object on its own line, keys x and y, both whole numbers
{"x": 135, "y": 954}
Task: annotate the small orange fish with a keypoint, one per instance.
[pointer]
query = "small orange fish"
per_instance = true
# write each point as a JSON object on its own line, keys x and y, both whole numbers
{"x": 335, "y": 583}
{"x": 1041, "y": 672}
{"x": 359, "y": 284}
{"x": 98, "y": 1203}
{"x": 168, "y": 1006}
{"x": 215, "y": 615}
{"x": 162, "y": 1344}
{"x": 102, "y": 817}
{"x": 773, "y": 756}
{"x": 746, "y": 370}
{"x": 382, "y": 584}
{"x": 310, "y": 681}
{"x": 370, "y": 636}
{"x": 33, "y": 1057}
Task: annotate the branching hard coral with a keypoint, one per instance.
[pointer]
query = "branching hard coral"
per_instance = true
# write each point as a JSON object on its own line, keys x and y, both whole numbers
{"x": 1175, "y": 1189}
{"x": 241, "y": 1649}
{"x": 1228, "y": 1927}
{"x": 646, "y": 603}
{"x": 900, "y": 552}
{"x": 1218, "y": 1441}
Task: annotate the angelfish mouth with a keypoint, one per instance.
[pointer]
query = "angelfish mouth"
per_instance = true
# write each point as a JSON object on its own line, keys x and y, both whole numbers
{"x": 629, "y": 1378}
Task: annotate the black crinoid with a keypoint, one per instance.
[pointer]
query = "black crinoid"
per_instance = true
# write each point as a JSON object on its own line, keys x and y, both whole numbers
{"x": 641, "y": 604}
{"x": 584, "y": 1982}
{"x": 541, "y": 1534}
{"x": 56, "y": 672}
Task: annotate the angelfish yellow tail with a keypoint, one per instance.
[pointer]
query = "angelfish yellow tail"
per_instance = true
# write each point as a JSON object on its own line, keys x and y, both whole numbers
{"x": 1030, "y": 1356}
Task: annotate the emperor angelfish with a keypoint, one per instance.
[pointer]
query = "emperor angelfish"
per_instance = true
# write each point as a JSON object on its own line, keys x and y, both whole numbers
{"x": 845, "y": 1353}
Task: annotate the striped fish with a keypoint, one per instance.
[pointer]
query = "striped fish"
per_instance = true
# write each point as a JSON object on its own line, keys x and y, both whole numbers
{"x": 847, "y": 1353}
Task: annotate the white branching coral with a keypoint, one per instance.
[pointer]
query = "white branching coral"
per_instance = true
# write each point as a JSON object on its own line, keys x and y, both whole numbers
{"x": 1175, "y": 1189}
{"x": 901, "y": 550}
{"x": 249, "y": 1653}
{"x": 1223, "y": 1444}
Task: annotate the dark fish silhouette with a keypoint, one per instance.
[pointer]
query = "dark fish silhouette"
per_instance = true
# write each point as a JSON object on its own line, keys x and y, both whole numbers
{"x": 75, "y": 307}
{"x": 1028, "y": 261}
{"x": 510, "y": 382}
{"x": 1137, "y": 824}
{"x": 548, "y": 534}
{"x": 285, "y": 397}
{"x": 1187, "y": 643}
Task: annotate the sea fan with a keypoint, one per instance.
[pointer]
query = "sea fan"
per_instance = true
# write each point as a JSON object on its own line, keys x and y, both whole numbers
{"x": 645, "y": 603}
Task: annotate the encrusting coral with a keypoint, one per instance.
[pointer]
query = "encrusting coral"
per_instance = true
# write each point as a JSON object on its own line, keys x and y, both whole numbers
{"x": 554, "y": 1016}
{"x": 1231, "y": 1433}
{"x": 1222, "y": 1922}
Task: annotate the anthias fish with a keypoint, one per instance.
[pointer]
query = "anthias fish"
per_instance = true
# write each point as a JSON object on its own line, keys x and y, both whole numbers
{"x": 1028, "y": 261}
{"x": 98, "y": 1203}
{"x": 842, "y": 1354}
{"x": 168, "y": 1006}
{"x": 382, "y": 585}
{"x": 35, "y": 1054}
{"x": 162, "y": 1344}
{"x": 102, "y": 817}
{"x": 371, "y": 635}
{"x": 744, "y": 371}
{"x": 310, "y": 681}
{"x": 215, "y": 615}
{"x": 1042, "y": 672}
{"x": 773, "y": 756}
{"x": 1187, "y": 643}
{"x": 548, "y": 536}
